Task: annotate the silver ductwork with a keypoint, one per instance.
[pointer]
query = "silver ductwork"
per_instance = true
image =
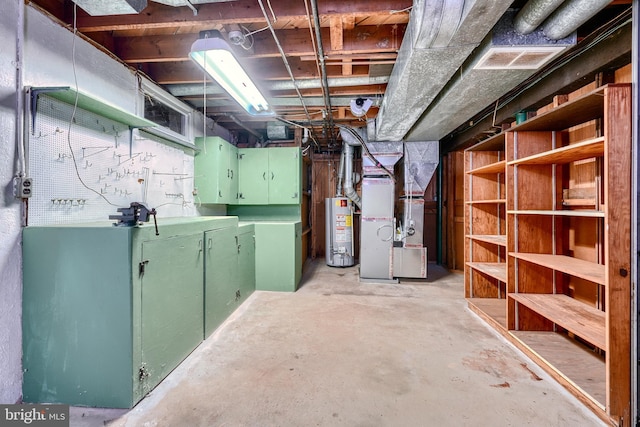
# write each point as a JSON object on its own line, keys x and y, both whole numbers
{"x": 177, "y": 3}
{"x": 346, "y": 163}
{"x": 349, "y": 189}
{"x": 421, "y": 159}
{"x": 533, "y": 14}
{"x": 433, "y": 49}
{"x": 113, "y": 7}
{"x": 570, "y": 15}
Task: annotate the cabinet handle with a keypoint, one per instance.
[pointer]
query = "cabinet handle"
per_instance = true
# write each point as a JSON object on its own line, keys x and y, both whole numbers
{"x": 231, "y": 173}
{"x": 219, "y": 193}
{"x": 209, "y": 243}
{"x": 264, "y": 176}
{"x": 272, "y": 176}
{"x": 200, "y": 245}
{"x": 228, "y": 173}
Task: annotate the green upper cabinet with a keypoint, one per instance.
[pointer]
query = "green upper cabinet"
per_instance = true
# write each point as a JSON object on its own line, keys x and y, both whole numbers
{"x": 216, "y": 171}
{"x": 253, "y": 168}
{"x": 269, "y": 176}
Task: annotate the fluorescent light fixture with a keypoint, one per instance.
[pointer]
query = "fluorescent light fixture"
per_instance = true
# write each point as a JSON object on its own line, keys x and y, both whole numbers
{"x": 214, "y": 55}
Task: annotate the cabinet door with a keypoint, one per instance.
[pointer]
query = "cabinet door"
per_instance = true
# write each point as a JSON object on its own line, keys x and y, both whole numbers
{"x": 253, "y": 183}
{"x": 211, "y": 166}
{"x": 233, "y": 175}
{"x": 220, "y": 278}
{"x": 246, "y": 265}
{"x": 223, "y": 167}
{"x": 277, "y": 253}
{"x": 284, "y": 176}
{"x": 171, "y": 306}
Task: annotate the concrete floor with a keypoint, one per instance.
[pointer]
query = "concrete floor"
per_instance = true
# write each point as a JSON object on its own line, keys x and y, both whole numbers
{"x": 343, "y": 353}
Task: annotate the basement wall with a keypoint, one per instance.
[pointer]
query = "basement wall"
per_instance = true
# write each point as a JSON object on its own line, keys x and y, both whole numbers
{"x": 47, "y": 53}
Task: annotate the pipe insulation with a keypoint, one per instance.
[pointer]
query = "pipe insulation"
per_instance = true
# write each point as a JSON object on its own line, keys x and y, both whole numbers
{"x": 570, "y": 15}
{"x": 533, "y": 14}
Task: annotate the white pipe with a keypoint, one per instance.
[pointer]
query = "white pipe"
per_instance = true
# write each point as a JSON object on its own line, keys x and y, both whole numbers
{"x": 20, "y": 122}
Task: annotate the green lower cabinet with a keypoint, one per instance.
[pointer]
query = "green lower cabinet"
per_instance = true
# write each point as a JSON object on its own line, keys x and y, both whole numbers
{"x": 278, "y": 255}
{"x": 172, "y": 312}
{"x": 246, "y": 261}
{"x": 109, "y": 311}
{"x": 221, "y": 283}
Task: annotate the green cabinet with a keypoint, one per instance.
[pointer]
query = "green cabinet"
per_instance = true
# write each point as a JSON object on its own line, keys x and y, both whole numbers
{"x": 221, "y": 277}
{"x": 171, "y": 304}
{"x": 216, "y": 171}
{"x": 229, "y": 273}
{"x": 109, "y": 311}
{"x": 269, "y": 176}
{"x": 278, "y": 255}
{"x": 246, "y": 260}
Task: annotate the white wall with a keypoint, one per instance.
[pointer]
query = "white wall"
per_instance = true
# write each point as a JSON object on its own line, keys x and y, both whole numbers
{"x": 47, "y": 62}
{"x": 10, "y": 253}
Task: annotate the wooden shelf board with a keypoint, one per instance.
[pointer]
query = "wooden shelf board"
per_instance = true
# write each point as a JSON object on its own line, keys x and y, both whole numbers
{"x": 488, "y": 201}
{"x": 496, "y": 239}
{"x": 568, "y": 212}
{"x": 498, "y": 167}
{"x": 493, "y": 143}
{"x": 573, "y": 266}
{"x": 497, "y": 270}
{"x": 492, "y": 310}
{"x": 571, "y": 360}
{"x": 578, "y": 318}
{"x": 570, "y": 153}
{"x": 580, "y": 110}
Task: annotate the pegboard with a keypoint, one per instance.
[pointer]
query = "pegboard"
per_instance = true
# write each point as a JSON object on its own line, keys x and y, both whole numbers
{"x": 84, "y": 167}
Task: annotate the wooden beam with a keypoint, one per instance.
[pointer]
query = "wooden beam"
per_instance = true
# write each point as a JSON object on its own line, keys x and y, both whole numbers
{"x": 349, "y": 21}
{"x": 336, "y": 33}
{"x": 270, "y": 69}
{"x": 157, "y": 15}
{"x": 163, "y": 48}
{"x": 347, "y": 67}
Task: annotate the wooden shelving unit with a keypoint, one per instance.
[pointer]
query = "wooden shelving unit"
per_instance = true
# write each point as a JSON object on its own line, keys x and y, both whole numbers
{"x": 560, "y": 243}
{"x": 485, "y": 229}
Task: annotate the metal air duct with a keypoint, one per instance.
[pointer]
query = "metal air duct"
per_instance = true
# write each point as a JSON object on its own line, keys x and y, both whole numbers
{"x": 113, "y": 7}
{"x": 533, "y": 14}
{"x": 440, "y": 36}
{"x": 570, "y": 15}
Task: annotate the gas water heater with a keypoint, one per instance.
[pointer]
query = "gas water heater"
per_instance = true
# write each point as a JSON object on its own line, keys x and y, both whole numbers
{"x": 339, "y": 232}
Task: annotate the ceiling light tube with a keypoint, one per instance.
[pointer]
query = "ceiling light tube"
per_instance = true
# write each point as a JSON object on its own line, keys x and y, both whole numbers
{"x": 215, "y": 57}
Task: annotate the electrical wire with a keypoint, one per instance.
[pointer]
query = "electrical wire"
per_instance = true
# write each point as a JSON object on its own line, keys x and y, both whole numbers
{"x": 282, "y": 119}
{"x": 283, "y": 55}
{"x": 75, "y": 108}
{"x": 366, "y": 150}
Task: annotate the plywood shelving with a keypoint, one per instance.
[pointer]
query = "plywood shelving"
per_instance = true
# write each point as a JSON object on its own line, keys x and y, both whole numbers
{"x": 549, "y": 266}
{"x": 485, "y": 225}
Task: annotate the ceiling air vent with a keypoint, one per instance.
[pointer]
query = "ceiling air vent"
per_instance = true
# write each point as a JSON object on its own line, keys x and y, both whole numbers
{"x": 509, "y": 50}
{"x": 517, "y": 57}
